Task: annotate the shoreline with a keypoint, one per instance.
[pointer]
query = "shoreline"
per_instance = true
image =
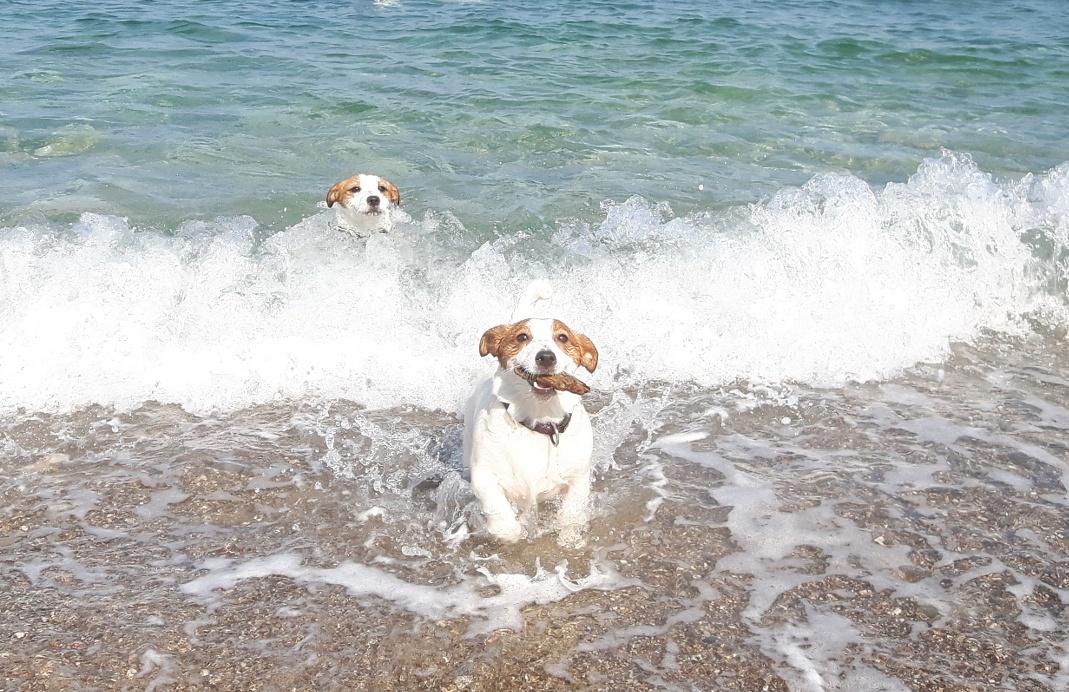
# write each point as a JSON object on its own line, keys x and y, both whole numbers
{"x": 847, "y": 548}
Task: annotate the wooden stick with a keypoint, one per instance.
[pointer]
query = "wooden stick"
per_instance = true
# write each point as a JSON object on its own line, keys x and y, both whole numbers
{"x": 562, "y": 381}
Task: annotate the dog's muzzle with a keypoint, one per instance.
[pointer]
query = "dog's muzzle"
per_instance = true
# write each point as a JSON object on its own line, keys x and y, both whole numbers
{"x": 560, "y": 381}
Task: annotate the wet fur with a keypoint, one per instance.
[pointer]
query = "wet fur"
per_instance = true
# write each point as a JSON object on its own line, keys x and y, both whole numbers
{"x": 364, "y": 204}
{"x": 513, "y": 468}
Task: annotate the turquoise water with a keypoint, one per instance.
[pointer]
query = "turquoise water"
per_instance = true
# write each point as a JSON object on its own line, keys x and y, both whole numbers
{"x": 813, "y": 192}
{"x": 509, "y": 117}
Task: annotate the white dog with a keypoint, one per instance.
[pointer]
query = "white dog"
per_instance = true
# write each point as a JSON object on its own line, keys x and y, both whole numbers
{"x": 366, "y": 204}
{"x": 524, "y": 441}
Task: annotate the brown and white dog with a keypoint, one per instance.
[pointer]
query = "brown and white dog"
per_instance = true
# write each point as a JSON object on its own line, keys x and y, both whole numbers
{"x": 525, "y": 442}
{"x": 366, "y": 204}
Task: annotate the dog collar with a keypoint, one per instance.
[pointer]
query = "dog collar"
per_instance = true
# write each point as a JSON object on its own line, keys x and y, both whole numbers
{"x": 553, "y": 430}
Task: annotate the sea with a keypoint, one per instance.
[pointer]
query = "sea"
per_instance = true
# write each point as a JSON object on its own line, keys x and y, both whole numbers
{"x": 822, "y": 248}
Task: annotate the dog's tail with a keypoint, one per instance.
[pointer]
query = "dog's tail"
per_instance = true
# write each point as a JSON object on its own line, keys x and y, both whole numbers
{"x": 537, "y": 291}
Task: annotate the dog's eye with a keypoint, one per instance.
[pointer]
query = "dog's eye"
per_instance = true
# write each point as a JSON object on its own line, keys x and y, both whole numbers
{"x": 522, "y": 337}
{"x": 382, "y": 189}
{"x": 354, "y": 189}
{"x": 563, "y": 338}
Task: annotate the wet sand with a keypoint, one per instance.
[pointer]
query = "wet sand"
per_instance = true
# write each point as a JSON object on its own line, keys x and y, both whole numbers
{"x": 157, "y": 550}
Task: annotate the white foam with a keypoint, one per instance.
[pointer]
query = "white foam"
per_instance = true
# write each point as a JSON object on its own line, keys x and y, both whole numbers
{"x": 822, "y": 284}
{"x": 824, "y": 651}
{"x": 617, "y": 638}
{"x": 818, "y": 659}
{"x": 942, "y": 431}
{"x": 500, "y": 611}
{"x": 767, "y": 536}
{"x": 163, "y": 668}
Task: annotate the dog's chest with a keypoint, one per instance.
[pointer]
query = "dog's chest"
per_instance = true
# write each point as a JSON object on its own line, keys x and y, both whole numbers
{"x": 532, "y": 467}
{"x": 535, "y": 473}
{"x": 359, "y": 224}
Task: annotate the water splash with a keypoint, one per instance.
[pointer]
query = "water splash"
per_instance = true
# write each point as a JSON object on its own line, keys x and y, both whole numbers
{"x": 830, "y": 282}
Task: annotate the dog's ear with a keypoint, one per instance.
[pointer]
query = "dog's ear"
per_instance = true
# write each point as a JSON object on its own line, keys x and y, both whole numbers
{"x": 392, "y": 193}
{"x": 589, "y": 352}
{"x": 336, "y": 193}
{"x": 490, "y": 344}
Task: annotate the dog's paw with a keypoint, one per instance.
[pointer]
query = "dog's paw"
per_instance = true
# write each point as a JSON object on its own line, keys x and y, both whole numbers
{"x": 510, "y": 537}
{"x": 506, "y": 530}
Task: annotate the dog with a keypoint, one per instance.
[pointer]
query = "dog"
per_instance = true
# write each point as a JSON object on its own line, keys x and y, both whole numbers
{"x": 366, "y": 204}
{"x": 525, "y": 442}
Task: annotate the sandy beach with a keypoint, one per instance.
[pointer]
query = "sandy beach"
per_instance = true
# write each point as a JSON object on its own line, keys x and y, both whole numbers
{"x": 930, "y": 556}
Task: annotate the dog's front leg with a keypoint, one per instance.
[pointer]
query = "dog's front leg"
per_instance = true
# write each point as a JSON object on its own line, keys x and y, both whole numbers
{"x": 574, "y": 512}
{"x": 501, "y": 519}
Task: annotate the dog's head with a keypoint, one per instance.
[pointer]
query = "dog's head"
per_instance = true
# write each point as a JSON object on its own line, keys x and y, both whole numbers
{"x": 539, "y": 346}
{"x": 364, "y": 201}
{"x": 367, "y": 194}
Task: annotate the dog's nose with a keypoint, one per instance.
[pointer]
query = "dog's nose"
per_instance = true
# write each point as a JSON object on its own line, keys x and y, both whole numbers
{"x": 545, "y": 359}
{"x": 373, "y": 201}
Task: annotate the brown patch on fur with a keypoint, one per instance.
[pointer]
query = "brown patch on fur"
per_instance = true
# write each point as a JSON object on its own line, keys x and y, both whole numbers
{"x": 578, "y": 347}
{"x": 505, "y": 341}
{"x": 390, "y": 190}
{"x": 339, "y": 193}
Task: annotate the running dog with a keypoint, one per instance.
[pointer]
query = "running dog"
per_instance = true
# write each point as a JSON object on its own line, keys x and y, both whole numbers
{"x": 527, "y": 437}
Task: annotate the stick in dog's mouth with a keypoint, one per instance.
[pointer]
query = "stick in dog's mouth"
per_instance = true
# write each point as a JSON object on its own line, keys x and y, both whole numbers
{"x": 561, "y": 381}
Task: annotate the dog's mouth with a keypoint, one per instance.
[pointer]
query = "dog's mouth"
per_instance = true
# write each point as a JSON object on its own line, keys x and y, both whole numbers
{"x": 543, "y": 388}
{"x": 373, "y": 211}
{"x": 545, "y": 384}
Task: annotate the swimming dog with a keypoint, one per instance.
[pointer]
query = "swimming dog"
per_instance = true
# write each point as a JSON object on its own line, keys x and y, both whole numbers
{"x": 527, "y": 437}
{"x": 366, "y": 204}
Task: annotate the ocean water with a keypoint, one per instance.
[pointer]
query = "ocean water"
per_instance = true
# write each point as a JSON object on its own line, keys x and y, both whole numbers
{"x": 822, "y": 247}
